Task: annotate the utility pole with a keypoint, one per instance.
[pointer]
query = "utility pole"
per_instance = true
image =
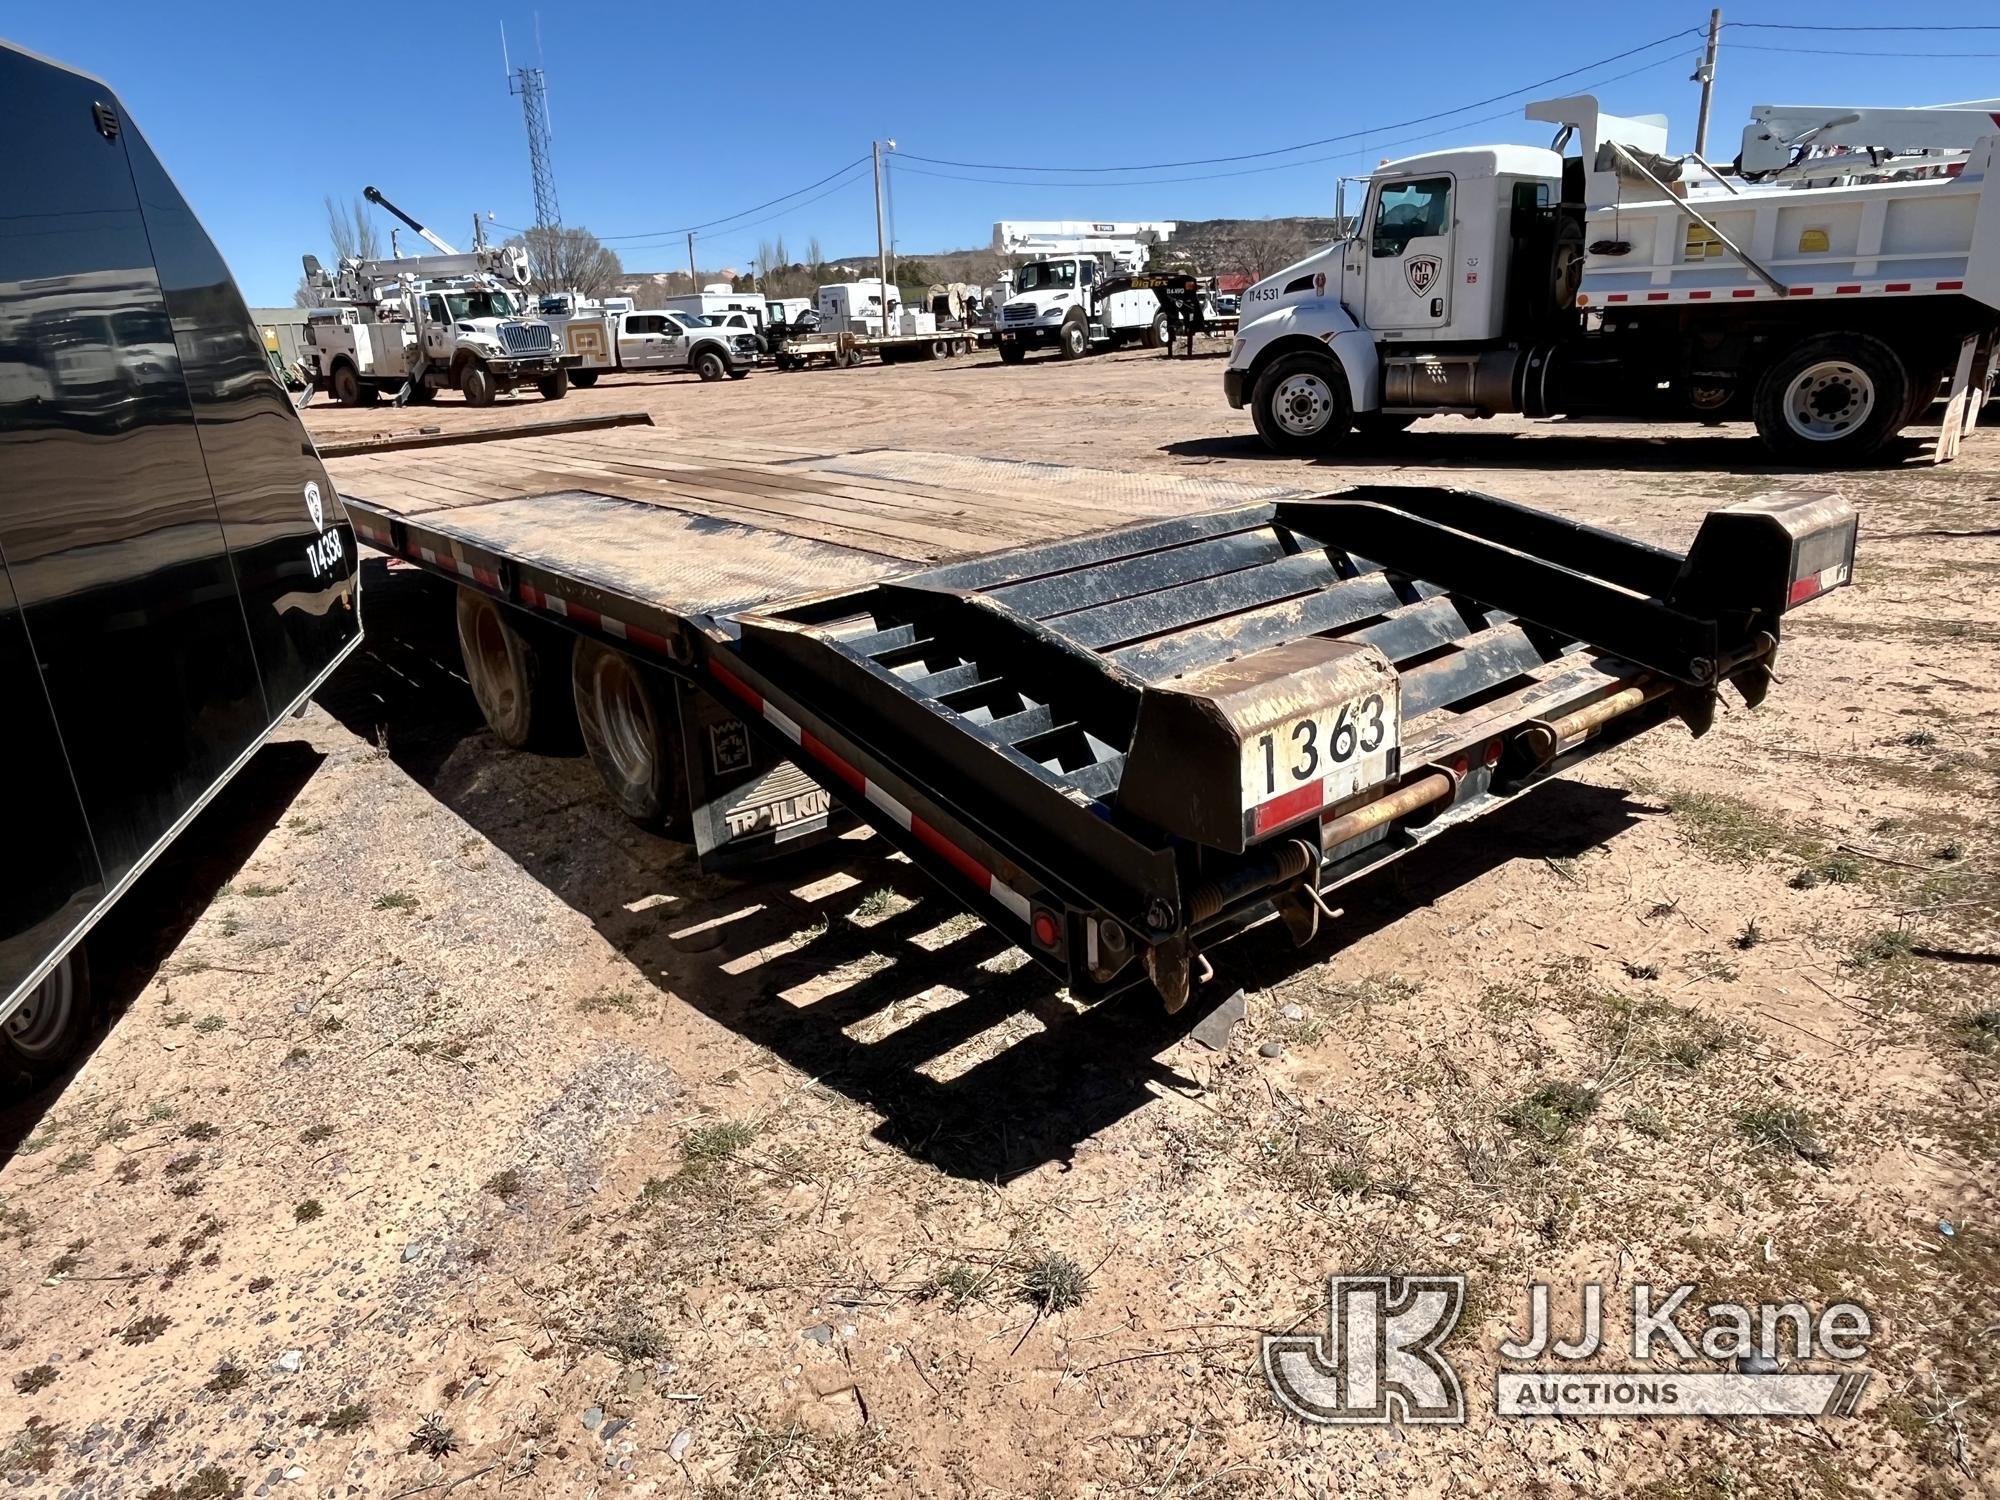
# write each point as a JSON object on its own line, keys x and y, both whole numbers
{"x": 694, "y": 281}
{"x": 882, "y": 234}
{"x": 1705, "y": 76}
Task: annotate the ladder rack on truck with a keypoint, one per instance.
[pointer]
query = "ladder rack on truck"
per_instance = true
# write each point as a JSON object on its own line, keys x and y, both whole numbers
{"x": 1116, "y": 745}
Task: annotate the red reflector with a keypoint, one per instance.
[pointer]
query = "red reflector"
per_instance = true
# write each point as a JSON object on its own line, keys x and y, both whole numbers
{"x": 1460, "y": 766}
{"x": 1806, "y": 588}
{"x": 1046, "y": 931}
{"x": 1295, "y": 804}
{"x": 1493, "y": 753}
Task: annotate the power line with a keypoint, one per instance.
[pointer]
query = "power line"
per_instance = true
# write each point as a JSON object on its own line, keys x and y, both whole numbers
{"x": 1851, "y": 51}
{"x": 1210, "y": 161}
{"x": 741, "y": 229}
{"x": 741, "y": 213}
{"x": 1802, "y": 26}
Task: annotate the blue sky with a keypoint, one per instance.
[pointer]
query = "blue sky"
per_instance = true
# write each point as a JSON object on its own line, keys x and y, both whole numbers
{"x": 665, "y": 116}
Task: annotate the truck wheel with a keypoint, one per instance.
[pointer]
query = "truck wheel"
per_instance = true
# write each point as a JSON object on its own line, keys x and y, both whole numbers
{"x": 345, "y": 384}
{"x": 475, "y": 383}
{"x": 1301, "y": 404}
{"x": 583, "y": 380}
{"x": 516, "y": 674}
{"x": 631, "y": 729}
{"x": 1158, "y": 334}
{"x": 1074, "y": 342}
{"x": 554, "y": 387}
{"x": 421, "y": 394}
{"x": 1835, "y": 399}
{"x": 1013, "y": 354}
{"x": 710, "y": 366}
{"x": 49, "y": 1026}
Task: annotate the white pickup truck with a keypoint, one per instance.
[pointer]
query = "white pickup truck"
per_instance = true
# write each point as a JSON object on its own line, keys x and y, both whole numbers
{"x": 602, "y": 339}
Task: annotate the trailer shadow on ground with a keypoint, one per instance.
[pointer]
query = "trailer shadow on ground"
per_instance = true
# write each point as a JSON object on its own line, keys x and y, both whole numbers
{"x": 1450, "y": 443}
{"x": 843, "y": 960}
{"x": 148, "y": 923}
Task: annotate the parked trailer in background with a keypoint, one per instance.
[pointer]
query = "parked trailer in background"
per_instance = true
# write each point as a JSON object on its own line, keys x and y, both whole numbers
{"x": 177, "y": 574}
{"x": 1115, "y": 746}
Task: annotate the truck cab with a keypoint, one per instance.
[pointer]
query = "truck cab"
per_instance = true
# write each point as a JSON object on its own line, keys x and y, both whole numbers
{"x": 1055, "y": 304}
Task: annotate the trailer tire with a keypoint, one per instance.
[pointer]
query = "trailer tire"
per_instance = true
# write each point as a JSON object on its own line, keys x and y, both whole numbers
{"x": 1013, "y": 354}
{"x": 631, "y": 730}
{"x": 344, "y": 384}
{"x": 516, "y": 673}
{"x": 1301, "y": 404}
{"x": 1159, "y": 333}
{"x": 554, "y": 387}
{"x": 710, "y": 365}
{"x": 44, "y": 1033}
{"x": 583, "y": 380}
{"x": 476, "y": 384}
{"x": 1834, "y": 399}
{"x": 1074, "y": 340}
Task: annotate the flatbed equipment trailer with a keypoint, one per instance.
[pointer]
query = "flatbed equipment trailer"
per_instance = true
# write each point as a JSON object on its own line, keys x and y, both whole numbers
{"x": 1115, "y": 743}
{"x": 845, "y": 350}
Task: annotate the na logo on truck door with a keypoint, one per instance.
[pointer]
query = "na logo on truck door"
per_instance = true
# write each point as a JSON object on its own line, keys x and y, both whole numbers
{"x": 314, "y": 507}
{"x": 1421, "y": 271}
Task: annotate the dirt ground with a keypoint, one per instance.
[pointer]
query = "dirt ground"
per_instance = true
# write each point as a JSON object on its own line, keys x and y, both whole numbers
{"x": 454, "y": 1137}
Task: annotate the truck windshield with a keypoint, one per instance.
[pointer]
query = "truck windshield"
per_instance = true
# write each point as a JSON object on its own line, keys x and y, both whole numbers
{"x": 1046, "y": 275}
{"x": 479, "y": 304}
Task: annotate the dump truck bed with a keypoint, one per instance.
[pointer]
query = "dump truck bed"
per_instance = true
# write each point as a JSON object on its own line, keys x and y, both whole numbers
{"x": 1116, "y": 715}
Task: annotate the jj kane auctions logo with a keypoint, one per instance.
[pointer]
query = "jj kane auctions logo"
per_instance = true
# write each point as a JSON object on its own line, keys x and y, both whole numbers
{"x": 1381, "y": 1358}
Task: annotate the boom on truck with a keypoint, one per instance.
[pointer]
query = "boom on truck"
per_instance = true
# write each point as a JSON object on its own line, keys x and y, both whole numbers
{"x": 414, "y": 325}
{"x": 1056, "y": 299}
{"x": 1825, "y": 289}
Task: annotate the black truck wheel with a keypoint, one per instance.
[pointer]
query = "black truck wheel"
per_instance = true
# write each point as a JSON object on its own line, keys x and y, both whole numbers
{"x": 516, "y": 672}
{"x": 631, "y": 729}
{"x": 1834, "y": 399}
{"x": 1013, "y": 354}
{"x": 475, "y": 383}
{"x": 345, "y": 384}
{"x": 554, "y": 387}
{"x": 1301, "y": 404}
{"x": 49, "y": 1026}
{"x": 710, "y": 365}
{"x": 1074, "y": 341}
{"x": 583, "y": 380}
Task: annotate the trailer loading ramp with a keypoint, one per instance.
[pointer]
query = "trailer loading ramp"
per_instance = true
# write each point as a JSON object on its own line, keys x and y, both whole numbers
{"x": 1117, "y": 745}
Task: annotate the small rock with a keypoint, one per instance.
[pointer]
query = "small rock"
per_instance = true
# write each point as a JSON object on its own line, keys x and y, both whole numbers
{"x": 290, "y": 1360}
{"x": 848, "y": 1330}
{"x": 296, "y": 1471}
{"x": 613, "y": 1428}
{"x": 472, "y": 1388}
{"x": 1212, "y": 1031}
{"x": 1292, "y": 1011}
{"x": 1271, "y": 1049}
{"x": 677, "y": 1449}
{"x": 592, "y": 1417}
{"x": 411, "y": 1251}
{"x": 819, "y": 1333}
{"x": 1947, "y": 1228}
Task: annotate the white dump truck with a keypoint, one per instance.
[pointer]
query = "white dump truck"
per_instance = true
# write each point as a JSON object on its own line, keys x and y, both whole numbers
{"x": 1053, "y": 301}
{"x": 1825, "y": 286}
{"x": 411, "y": 326}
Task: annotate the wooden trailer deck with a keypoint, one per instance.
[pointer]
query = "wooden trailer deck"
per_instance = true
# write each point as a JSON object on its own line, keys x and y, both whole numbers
{"x": 698, "y": 525}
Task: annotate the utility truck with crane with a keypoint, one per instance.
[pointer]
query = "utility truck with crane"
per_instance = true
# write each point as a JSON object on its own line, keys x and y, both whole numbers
{"x": 1055, "y": 301}
{"x": 1824, "y": 286}
{"x": 411, "y": 326}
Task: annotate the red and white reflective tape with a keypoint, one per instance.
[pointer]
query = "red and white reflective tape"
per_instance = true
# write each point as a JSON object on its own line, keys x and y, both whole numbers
{"x": 1765, "y": 294}
{"x": 583, "y": 614}
{"x": 1814, "y": 584}
{"x": 933, "y": 840}
{"x": 459, "y": 566}
{"x": 374, "y": 538}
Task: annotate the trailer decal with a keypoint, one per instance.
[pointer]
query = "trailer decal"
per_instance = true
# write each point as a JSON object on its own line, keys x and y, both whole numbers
{"x": 877, "y": 796}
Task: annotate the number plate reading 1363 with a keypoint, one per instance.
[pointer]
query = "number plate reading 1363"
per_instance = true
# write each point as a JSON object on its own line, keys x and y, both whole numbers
{"x": 1303, "y": 764}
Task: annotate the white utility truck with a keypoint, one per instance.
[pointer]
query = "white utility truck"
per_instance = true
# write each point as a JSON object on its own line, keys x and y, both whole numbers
{"x": 603, "y": 338}
{"x": 1053, "y": 300}
{"x": 716, "y": 299}
{"x": 414, "y": 325}
{"x": 1825, "y": 287}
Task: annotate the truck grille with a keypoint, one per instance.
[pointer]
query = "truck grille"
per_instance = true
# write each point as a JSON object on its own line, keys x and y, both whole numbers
{"x": 521, "y": 339}
{"x": 1019, "y": 314}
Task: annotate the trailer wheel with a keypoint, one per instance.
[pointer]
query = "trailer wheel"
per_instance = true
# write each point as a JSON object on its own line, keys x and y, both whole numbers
{"x": 710, "y": 365}
{"x": 1158, "y": 334}
{"x": 1835, "y": 399}
{"x": 516, "y": 674}
{"x": 1075, "y": 339}
{"x": 475, "y": 383}
{"x": 631, "y": 728}
{"x": 345, "y": 384}
{"x": 1013, "y": 354}
{"x": 583, "y": 380}
{"x": 47, "y": 1028}
{"x": 1301, "y": 404}
{"x": 554, "y": 387}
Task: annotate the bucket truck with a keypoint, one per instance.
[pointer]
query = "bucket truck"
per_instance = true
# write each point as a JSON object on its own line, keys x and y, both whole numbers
{"x": 411, "y": 326}
{"x": 1055, "y": 301}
